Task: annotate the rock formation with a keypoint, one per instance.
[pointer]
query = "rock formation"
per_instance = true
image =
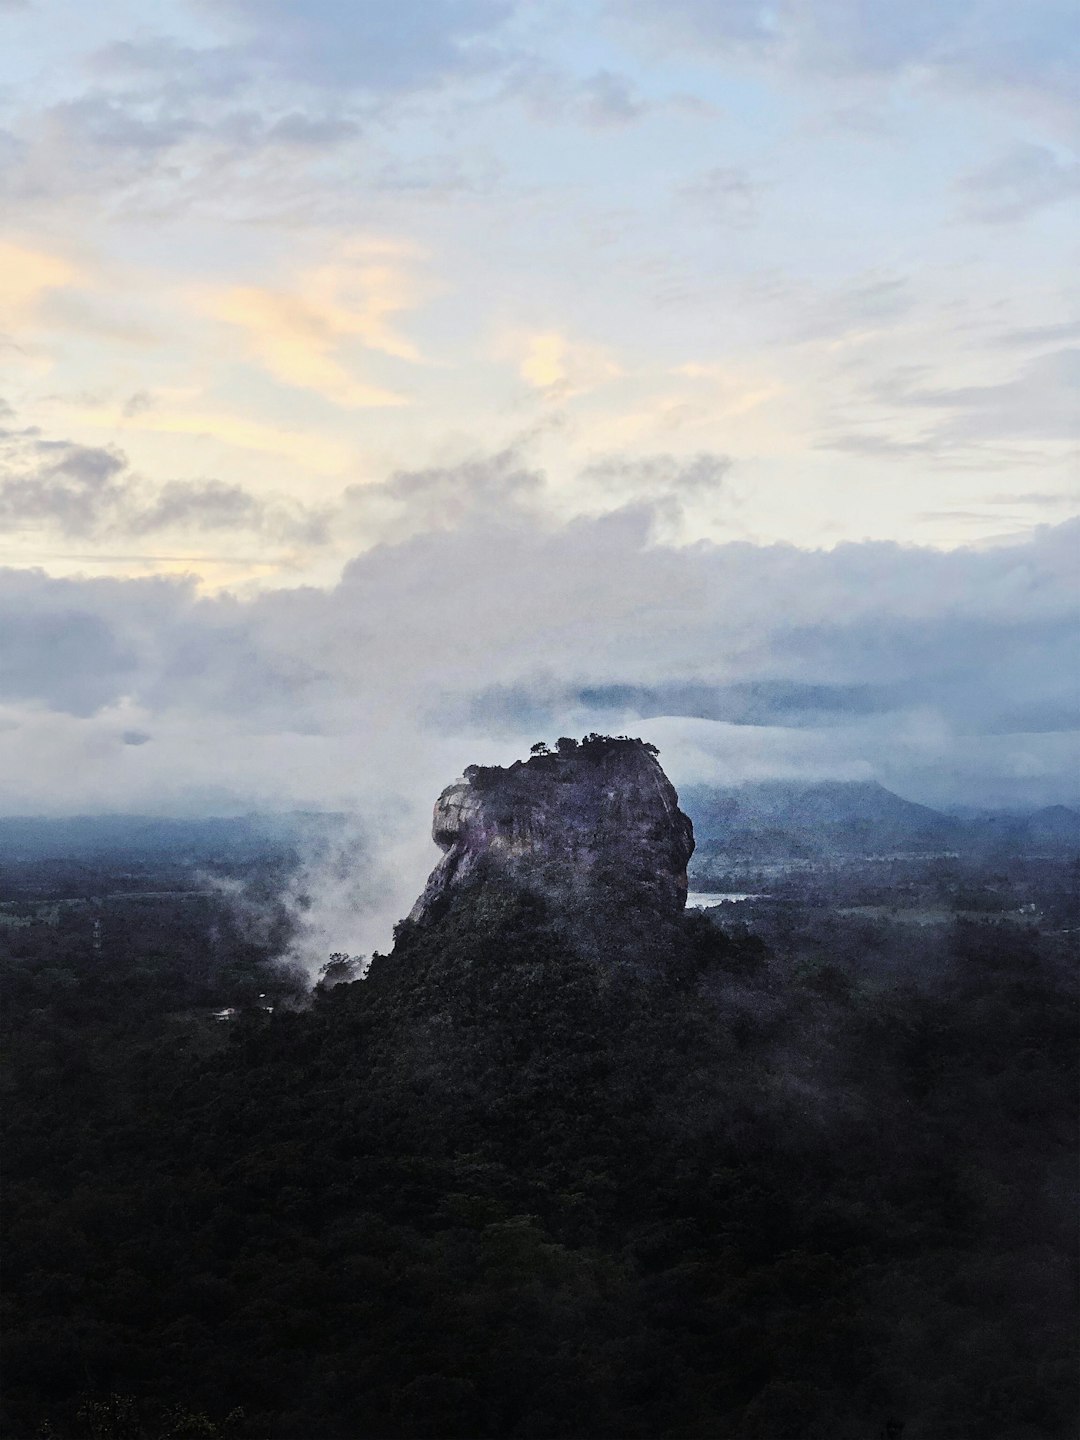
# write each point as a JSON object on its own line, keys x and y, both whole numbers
{"x": 588, "y": 827}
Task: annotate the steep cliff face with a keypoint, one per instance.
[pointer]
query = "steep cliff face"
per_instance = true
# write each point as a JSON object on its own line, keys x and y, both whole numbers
{"x": 586, "y": 827}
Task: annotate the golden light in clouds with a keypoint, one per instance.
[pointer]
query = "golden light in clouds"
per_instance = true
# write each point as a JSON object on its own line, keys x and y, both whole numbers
{"x": 300, "y": 333}
{"x": 566, "y": 367}
{"x": 27, "y": 274}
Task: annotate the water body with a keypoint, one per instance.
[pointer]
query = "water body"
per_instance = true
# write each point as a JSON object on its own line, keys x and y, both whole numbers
{"x": 702, "y": 899}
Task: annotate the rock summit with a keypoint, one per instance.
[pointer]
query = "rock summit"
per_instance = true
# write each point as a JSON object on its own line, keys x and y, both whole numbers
{"x": 587, "y": 825}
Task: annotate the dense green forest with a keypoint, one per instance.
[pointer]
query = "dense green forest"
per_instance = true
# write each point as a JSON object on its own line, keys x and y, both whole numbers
{"x": 508, "y": 1186}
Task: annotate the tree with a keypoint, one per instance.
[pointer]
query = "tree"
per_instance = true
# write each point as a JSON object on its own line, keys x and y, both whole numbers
{"x": 340, "y": 969}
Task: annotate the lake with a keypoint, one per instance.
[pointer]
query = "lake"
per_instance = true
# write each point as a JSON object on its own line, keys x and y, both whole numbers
{"x": 702, "y": 899}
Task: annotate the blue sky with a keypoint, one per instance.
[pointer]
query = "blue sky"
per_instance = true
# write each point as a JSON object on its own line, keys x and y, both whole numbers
{"x": 379, "y": 380}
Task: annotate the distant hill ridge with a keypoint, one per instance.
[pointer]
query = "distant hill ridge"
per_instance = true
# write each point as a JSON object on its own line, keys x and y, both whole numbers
{"x": 778, "y": 817}
{"x": 761, "y": 819}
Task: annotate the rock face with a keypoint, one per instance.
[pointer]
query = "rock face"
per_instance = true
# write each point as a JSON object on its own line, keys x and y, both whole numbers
{"x": 591, "y": 826}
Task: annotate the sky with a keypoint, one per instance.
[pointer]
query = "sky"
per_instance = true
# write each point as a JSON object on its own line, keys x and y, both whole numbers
{"x": 384, "y": 387}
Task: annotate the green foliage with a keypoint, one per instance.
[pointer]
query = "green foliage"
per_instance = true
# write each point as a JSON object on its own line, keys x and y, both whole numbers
{"x": 509, "y": 1188}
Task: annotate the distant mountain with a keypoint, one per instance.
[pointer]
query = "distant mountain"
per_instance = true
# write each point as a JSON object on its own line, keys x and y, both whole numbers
{"x": 782, "y": 819}
{"x": 785, "y": 819}
{"x": 1057, "y": 825}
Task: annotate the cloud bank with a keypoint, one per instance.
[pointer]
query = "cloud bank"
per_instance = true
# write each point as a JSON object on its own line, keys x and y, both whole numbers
{"x": 497, "y": 620}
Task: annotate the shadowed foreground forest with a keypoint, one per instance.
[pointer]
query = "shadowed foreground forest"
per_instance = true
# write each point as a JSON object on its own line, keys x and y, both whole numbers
{"x": 510, "y": 1187}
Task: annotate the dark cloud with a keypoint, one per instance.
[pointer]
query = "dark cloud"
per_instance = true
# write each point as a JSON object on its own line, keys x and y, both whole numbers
{"x": 204, "y": 505}
{"x": 757, "y": 702}
{"x": 137, "y": 404}
{"x": 657, "y": 478}
{"x": 61, "y": 656}
{"x": 1029, "y": 178}
{"x": 443, "y": 497}
{"x": 71, "y": 487}
{"x": 89, "y": 492}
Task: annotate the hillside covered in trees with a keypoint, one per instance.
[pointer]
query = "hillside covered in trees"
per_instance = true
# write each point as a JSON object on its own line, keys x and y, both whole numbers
{"x": 814, "y": 1181}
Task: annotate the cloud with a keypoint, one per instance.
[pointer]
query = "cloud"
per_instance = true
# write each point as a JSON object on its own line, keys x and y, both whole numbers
{"x": 1024, "y": 419}
{"x": 589, "y": 621}
{"x": 855, "y": 310}
{"x": 757, "y": 703}
{"x": 89, "y": 492}
{"x": 70, "y": 487}
{"x": 205, "y": 505}
{"x": 26, "y": 276}
{"x": 365, "y": 44}
{"x": 105, "y": 123}
{"x": 1029, "y": 178}
{"x": 1039, "y": 335}
{"x": 174, "y": 72}
{"x": 679, "y": 479}
{"x": 562, "y": 367}
{"x": 128, "y": 136}
{"x": 298, "y": 333}
{"x": 603, "y": 100}
{"x": 86, "y": 662}
{"x": 311, "y": 132}
{"x": 1037, "y": 403}
{"x": 160, "y": 137}
{"x": 1030, "y": 50}
{"x": 411, "y": 502}
{"x": 877, "y": 446}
